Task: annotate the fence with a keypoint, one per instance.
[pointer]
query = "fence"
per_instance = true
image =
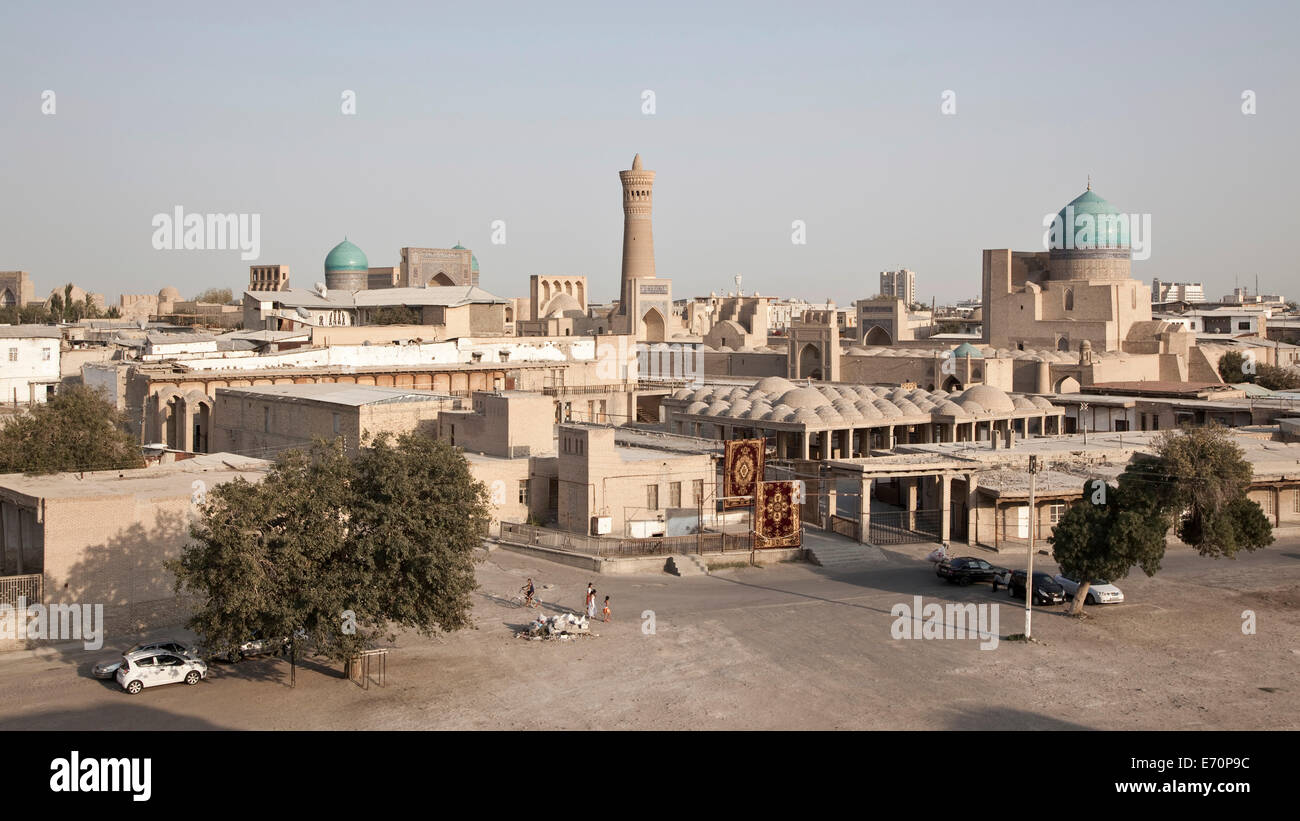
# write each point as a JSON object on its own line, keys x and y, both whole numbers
{"x": 904, "y": 526}
{"x": 608, "y": 547}
{"x": 30, "y": 587}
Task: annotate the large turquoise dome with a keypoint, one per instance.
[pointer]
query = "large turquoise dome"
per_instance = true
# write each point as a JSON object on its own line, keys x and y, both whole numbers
{"x": 346, "y": 257}
{"x": 473, "y": 260}
{"x": 1110, "y": 225}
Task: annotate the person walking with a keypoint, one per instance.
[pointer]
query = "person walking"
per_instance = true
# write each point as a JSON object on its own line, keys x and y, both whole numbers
{"x": 591, "y": 603}
{"x": 605, "y": 612}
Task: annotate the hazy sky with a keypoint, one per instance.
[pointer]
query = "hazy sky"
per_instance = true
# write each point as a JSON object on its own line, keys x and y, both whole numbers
{"x": 765, "y": 114}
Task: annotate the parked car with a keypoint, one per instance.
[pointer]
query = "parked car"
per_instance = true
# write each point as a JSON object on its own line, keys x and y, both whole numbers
{"x": 1100, "y": 591}
{"x": 108, "y": 667}
{"x": 151, "y": 668}
{"x": 1046, "y": 589}
{"x": 257, "y": 645}
{"x": 965, "y": 569}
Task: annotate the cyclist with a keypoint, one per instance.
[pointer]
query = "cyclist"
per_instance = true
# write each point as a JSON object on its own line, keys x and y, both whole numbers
{"x": 528, "y": 590}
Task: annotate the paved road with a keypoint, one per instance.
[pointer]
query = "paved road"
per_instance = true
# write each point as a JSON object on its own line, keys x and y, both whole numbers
{"x": 788, "y": 646}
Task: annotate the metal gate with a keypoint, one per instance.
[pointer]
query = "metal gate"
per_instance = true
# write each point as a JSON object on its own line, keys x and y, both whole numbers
{"x": 906, "y": 526}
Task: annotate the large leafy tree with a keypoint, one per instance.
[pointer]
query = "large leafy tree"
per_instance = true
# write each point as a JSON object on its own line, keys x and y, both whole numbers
{"x": 76, "y": 430}
{"x": 338, "y": 551}
{"x": 1195, "y": 482}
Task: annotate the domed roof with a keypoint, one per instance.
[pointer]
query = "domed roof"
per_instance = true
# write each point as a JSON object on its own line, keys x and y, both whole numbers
{"x": 1111, "y": 233}
{"x": 774, "y": 385}
{"x": 346, "y": 257}
{"x": 809, "y": 398}
{"x": 988, "y": 397}
{"x": 563, "y": 305}
{"x": 473, "y": 260}
{"x": 967, "y": 349}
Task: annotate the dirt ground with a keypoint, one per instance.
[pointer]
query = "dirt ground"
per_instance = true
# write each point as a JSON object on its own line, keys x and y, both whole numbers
{"x": 784, "y": 647}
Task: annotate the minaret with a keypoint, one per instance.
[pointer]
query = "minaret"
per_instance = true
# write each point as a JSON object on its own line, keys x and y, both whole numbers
{"x": 638, "y": 237}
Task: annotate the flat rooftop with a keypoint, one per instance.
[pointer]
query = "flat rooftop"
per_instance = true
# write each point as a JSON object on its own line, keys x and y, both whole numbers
{"x": 157, "y": 481}
{"x": 340, "y": 393}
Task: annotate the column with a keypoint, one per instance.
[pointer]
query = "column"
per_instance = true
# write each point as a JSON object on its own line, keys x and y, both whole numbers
{"x": 911, "y": 491}
{"x": 864, "y": 510}
{"x": 972, "y": 513}
{"x": 804, "y": 443}
{"x": 824, "y": 444}
{"x": 945, "y": 508}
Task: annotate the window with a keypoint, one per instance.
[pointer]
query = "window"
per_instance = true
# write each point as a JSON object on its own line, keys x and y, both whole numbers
{"x": 523, "y": 491}
{"x": 13, "y": 354}
{"x": 1267, "y": 504}
{"x": 698, "y": 488}
{"x": 1295, "y": 500}
{"x": 266, "y": 420}
{"x": 652, "y": 497}
{"x": 45, "y": 354}
{"x": 1243, "y": 326}
{"x": 1055, "y": 511}
{"x": 675, "y": 494}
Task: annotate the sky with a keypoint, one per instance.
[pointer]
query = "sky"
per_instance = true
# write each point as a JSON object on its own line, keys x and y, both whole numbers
{"x": 764, "y": 114}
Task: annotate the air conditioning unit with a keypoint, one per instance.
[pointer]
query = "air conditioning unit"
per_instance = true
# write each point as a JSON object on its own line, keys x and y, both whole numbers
{"x": 602, "y": 525}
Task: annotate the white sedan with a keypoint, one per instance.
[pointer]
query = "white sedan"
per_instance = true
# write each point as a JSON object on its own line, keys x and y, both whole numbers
{"x": 150, "y": 668}
{"x": 1099, "y": 592}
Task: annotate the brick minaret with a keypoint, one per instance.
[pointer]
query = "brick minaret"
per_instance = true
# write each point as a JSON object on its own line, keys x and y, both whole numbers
{"x": 638, "y": 237}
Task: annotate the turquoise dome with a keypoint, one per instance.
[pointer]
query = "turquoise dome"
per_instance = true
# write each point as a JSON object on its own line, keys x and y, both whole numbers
{"x": 346, "y": 257}
{"x": 1106, "y": 233}
{"x": 967, "y": 349}
{"x": 473, "y": 260}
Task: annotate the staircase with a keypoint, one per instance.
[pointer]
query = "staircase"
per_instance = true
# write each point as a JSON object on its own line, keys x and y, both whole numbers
{"x": 843, "y": 556}
{"x": 683, "y": 565}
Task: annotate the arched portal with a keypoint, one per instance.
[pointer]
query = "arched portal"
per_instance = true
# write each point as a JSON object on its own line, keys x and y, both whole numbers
{"x": 810, "y": 362}
{"x": 1067, "y": 384}
{"x": 952, "y": 384}
{"x": 442, "y": 279}
{"x": 1063, "y": 344}
{"x": 653, "y": 322}
{"x": 878, "y": 336}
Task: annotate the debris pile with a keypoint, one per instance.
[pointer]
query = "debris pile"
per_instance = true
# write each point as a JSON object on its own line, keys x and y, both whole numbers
{"x": 561, "y": 627}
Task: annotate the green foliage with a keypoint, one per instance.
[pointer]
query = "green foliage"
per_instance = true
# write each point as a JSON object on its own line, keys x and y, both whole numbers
{"x": 221, "y": 296}
{"x": 77, "y": 429}
{"x": 1196, "y": 483}
{"x": 389, "y": 535}
{"x": 395, "y": 315}
{"x": 1231, "y": 368}
{"x": 1277, "y": 379}
{"x": 1203, "y": 475}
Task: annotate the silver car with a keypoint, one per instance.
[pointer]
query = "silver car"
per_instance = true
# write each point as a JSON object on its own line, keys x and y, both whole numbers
{"x": 151, "y": 668}
{"x": 108, "y": 667}
{"x": 1100, "y": 591}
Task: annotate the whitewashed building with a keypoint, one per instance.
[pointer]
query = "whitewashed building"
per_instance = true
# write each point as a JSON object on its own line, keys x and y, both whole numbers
{"x": 29, "y": 363}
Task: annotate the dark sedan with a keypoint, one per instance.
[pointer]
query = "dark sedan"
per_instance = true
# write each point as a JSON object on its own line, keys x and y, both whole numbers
{"x": 1046, "y": 589}
{"x": 966, "y": 569}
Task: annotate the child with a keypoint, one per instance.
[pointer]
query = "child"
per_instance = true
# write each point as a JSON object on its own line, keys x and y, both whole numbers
{"x": 605, "y": 612}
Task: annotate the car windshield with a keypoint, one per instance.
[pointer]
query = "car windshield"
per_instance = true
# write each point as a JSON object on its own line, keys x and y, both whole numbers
{"x": 1099, "y": 581}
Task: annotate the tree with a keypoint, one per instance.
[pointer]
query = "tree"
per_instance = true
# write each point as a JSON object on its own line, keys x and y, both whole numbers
{"x": 338, "y": 551}
{"x": 220, "y": 296}
{"x": 1196, "y": 482}
{"x": 1277, "y": 379}
{"x": 1203, "y": 475}
{"x": 113, "y": 312}
{"x": 395, "y": 315}
{"x": 1232, "y": 368}
{"x": 76, "y": 430}
{"x": 1107, "y": 533}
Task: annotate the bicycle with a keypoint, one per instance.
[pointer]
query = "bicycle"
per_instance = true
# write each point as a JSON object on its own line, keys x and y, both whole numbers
{"x": 519, "y": 599}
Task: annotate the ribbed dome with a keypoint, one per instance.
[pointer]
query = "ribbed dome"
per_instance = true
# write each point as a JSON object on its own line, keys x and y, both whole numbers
{"x": 346, "y": 257}
{"x": 1107, "y": 233}
{"x": 774, "y": 385}
{"x": 809, "y": 398}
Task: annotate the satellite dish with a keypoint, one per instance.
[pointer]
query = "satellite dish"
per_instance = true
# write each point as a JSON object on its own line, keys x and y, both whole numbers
{"x": 142, "y": 322}
{"x": 303, "y": 312}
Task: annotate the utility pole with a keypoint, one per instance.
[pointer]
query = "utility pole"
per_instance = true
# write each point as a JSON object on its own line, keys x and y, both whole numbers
{"x": 1083, "y": 412}
{"x": 1029, "y": 573}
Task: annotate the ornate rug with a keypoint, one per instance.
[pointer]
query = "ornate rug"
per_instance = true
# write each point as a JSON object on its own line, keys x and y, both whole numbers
{"x": 776, "y": 515}
{"x": 742, "y": 471}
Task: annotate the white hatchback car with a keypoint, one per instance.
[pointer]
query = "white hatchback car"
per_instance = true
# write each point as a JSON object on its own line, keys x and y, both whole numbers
{"x": 150, "y": 668}
{"x": 1099, "y": 592}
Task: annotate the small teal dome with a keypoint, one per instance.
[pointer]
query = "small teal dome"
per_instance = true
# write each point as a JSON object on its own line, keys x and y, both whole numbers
{"x": 967, "y": 349}
{"x": 346, "y": 257}
{"x": 1110, "y": 232}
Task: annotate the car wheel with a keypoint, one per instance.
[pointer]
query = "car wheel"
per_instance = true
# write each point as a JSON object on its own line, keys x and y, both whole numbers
{"x": 235, "y": 656}
{"x": 1091, "y": 599}
{"x": 192, "y": 677}
{"x": 963, "y": 581}
{"x": 135, "y": 687}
